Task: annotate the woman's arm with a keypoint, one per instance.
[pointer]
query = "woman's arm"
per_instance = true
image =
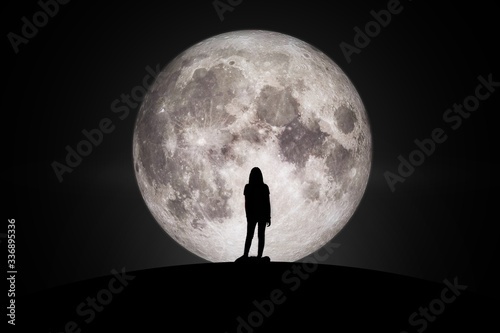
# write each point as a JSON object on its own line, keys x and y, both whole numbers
{"x": 246, "y": 203}
{"x": 268, "y": 207}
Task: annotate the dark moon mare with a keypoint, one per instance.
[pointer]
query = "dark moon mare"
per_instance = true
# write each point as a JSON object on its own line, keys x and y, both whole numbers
{"x": 244, "y": 99}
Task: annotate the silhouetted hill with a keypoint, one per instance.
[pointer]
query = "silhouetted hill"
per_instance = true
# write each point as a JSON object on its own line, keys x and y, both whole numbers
{"x": 219, "y": 297}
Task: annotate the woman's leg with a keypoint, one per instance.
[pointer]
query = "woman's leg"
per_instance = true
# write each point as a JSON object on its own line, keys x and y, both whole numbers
{"x": 262, "y": 238}
{"x": 250, "y": 232}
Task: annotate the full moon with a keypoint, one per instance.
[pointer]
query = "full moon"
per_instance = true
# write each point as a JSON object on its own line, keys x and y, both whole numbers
{"x": 248, "y": 99}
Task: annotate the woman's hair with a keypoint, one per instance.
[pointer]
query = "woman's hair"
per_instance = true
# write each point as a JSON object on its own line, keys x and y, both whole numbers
{"x": 256, "y": 176}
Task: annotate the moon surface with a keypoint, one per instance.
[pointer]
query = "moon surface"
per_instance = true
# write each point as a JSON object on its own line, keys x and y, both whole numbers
{"x": 247, "y": 99}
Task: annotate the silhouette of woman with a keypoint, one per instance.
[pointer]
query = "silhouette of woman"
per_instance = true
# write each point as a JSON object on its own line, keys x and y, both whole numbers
{"x": 257, "y": 209}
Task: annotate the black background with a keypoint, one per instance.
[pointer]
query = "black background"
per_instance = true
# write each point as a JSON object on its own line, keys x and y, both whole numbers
{"x": 440, "y": 223}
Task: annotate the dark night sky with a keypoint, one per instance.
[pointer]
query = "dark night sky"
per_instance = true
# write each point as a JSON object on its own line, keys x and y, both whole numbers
{"x": 439, "y": 223}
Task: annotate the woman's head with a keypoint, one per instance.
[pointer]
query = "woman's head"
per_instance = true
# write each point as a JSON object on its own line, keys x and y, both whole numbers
{"x": 256, "y": 176}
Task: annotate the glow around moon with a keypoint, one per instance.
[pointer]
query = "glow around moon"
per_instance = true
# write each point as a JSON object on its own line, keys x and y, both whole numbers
{"x": 249, "y": 99}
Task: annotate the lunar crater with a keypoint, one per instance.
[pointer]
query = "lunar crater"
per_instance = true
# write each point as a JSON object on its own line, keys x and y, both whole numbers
{"x": 297, "y": 143}
{"x": 346, "y": 119}
{"x": 277, "y": 107}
